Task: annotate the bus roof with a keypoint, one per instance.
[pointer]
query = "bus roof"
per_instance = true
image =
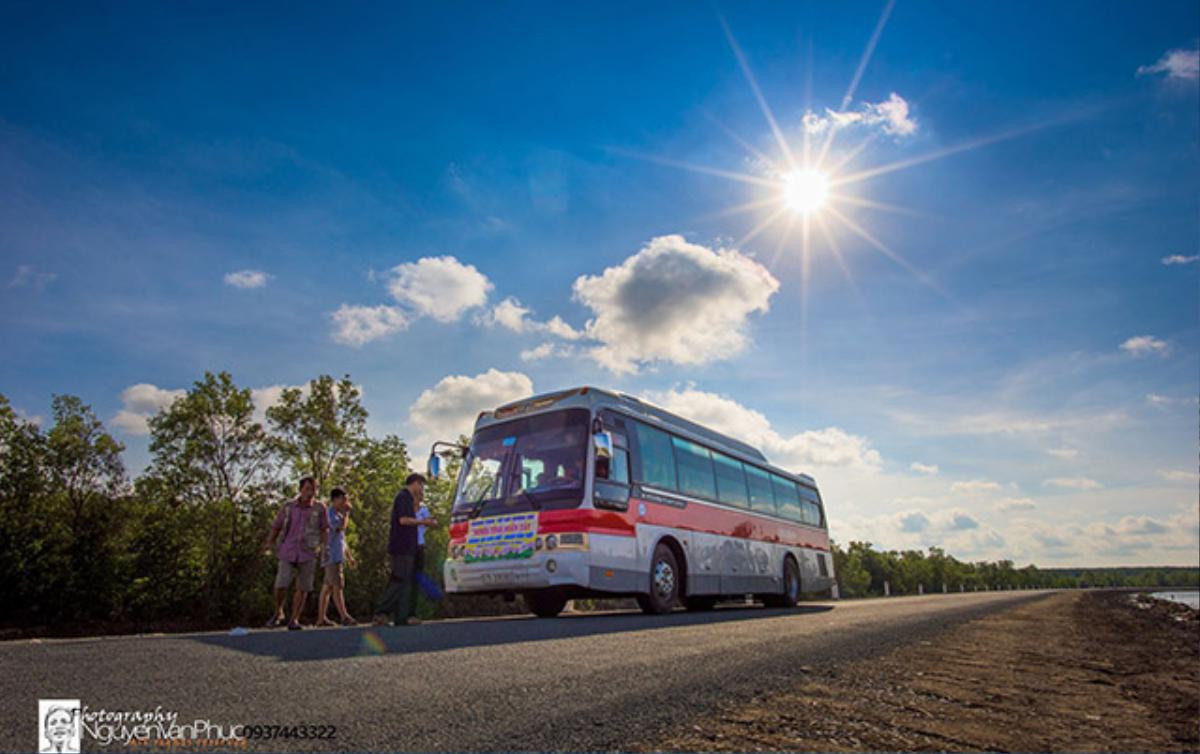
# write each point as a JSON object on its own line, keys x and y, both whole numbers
{"x": 596, "y": 398}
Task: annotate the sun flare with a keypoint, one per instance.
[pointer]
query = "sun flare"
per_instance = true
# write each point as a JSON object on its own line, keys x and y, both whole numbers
{"x": 805, "y": 191}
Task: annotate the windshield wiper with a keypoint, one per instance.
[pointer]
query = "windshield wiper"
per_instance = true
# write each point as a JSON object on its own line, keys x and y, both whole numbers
{"x": 478, "y": 506}
{"x": 533, "y": 503}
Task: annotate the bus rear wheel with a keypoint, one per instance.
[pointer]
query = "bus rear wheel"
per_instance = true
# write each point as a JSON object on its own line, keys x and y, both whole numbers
{"x": 791, "y": 587}
{"x": 544, "y": 604}
{"x": 664, "y": 582}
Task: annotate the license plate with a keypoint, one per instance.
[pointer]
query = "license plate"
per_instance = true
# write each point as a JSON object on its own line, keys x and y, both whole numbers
{"x": 508, "y": 537}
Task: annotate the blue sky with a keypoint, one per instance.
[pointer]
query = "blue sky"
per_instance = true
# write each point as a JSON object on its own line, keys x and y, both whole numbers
{"x": 205, "y": 187}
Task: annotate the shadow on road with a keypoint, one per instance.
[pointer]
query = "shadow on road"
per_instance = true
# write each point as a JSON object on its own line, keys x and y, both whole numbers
{"x": 328, "y": 644}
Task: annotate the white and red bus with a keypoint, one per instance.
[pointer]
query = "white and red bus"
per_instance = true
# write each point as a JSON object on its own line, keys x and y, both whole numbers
{"x": 588, "y": 493}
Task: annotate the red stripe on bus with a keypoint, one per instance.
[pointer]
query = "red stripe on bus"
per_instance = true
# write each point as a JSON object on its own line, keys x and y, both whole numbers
{"x": 696, "y": 517}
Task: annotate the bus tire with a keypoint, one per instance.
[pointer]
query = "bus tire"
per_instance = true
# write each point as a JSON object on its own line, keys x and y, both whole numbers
{"x": 664, "y": 582}
{"x": 791, "y": 587}
{"x": 700, "y": 603}
{"x": 544, "y": 604}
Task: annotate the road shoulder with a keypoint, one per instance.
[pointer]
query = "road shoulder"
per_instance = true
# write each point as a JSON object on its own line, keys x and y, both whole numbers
{"x": 1075, "y": 672}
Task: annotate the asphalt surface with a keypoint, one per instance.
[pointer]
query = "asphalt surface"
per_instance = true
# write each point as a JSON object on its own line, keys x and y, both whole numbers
{"x": 579, "y": 682}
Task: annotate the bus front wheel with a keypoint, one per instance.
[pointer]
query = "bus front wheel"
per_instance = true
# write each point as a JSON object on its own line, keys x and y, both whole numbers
{"x": 664, "y": 582}
{"x": 544, "y": 604}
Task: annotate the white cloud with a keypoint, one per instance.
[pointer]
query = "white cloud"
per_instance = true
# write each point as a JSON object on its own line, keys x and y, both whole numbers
{"x": 141, "y": 402}
{"x": 439, "y": 287}
{"x": 956, "y": 530}
{"x": 1163, "y": 401}
{"x": 556, "y": 326}
{"x": 510, "y": 314}
{"x": 912, "y": 521}
{"x": 546, "y": 351}
{"x": 890, "y": 116}
{"x": 974, "y": 487}
{"x": 356, "y": 325}
{"x": 1138, "y": 534}
{"x": 1177, "y": 64}
{"x": 924, "y": 468}
{"x": 266, "y": 397}
{"x": 829, "y": 447}
{"x": 673, "y": 301}
{"x": 537, "y": 353}
{"x": 27, "y": 276}
{"x": 450, "y": 407}
{"x": 1179, "y": 475}
{"x": 1065, "y": 454}
{"x": 1180, "y": 259}
{"x": 1051, "y": 540}
{"x": 955, "y": 519}
{"x": 247, "y": 279}
{"x": 1139, "y": 525}
{"x": 956, "y": 422}
{"x": 1073, "y": 483}
{"x": 1011, "y": 504}
{"x": 1144, "y": 345}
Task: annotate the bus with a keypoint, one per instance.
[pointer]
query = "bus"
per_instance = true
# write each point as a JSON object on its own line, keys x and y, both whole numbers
{"x": 586, "y": 493}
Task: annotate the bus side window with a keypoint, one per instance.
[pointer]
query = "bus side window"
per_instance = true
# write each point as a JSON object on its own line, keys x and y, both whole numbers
{"x": 761, "y": 497}
{"x": 655, "y": 460}
{"x": 731, "y": 481}
{"x": 787, "y": 498}
{"x": 619, "y": 468}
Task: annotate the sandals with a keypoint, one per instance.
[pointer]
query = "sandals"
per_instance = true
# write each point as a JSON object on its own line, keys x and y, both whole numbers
{"x": 275, "y": 622}
{"x": 325, "y": 622}
{"x": 349, "y": 621}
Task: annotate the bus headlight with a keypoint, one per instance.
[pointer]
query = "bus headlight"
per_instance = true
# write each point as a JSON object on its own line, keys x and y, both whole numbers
{"x": 551, "y": 542}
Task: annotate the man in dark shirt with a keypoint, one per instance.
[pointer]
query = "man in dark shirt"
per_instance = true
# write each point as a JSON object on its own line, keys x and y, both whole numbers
{"x": 397, "y": 599}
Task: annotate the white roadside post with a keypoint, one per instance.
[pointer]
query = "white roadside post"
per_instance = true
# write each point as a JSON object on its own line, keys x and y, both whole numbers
{"x": 920, "y": 589}
{"x": 887, "y": 589}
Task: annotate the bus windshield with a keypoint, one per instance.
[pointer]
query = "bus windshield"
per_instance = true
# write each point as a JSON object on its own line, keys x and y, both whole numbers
{"x": 525, "y": 464}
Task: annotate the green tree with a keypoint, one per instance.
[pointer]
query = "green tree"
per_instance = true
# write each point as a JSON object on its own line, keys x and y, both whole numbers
{"x": 372, "y": 483}
{"x": 25, "y": 518}
{"x": 321, "y": 433}
{"x": 87, "y": 477}
{"x": 209, "y": 453}
{"x": 853, "y": 578}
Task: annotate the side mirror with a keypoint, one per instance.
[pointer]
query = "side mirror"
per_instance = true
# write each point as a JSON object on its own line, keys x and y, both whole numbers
{"x": 603, "y": 443}
{"x": 433, "y": 468}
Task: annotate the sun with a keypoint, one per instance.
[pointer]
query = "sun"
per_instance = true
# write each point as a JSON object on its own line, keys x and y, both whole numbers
{"x": 805, "y": 191}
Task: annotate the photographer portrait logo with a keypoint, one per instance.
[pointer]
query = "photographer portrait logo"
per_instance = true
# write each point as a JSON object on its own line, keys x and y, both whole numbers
{"x": 59, "y": 726}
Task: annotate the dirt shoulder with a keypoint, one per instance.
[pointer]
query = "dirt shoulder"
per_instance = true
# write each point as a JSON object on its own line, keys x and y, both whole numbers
{"x": 1076, "y": 671}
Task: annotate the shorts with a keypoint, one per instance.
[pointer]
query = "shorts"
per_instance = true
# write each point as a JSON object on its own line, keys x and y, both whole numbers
{"x": 334, "y": 575}
{"x": 287, "y": 571}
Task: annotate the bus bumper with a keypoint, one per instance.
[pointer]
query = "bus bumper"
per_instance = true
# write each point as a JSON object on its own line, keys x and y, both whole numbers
{"x": 543, "y": 570}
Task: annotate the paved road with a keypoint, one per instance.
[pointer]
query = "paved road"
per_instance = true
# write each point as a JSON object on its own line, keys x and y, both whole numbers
{"x": 577, "y": 682}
